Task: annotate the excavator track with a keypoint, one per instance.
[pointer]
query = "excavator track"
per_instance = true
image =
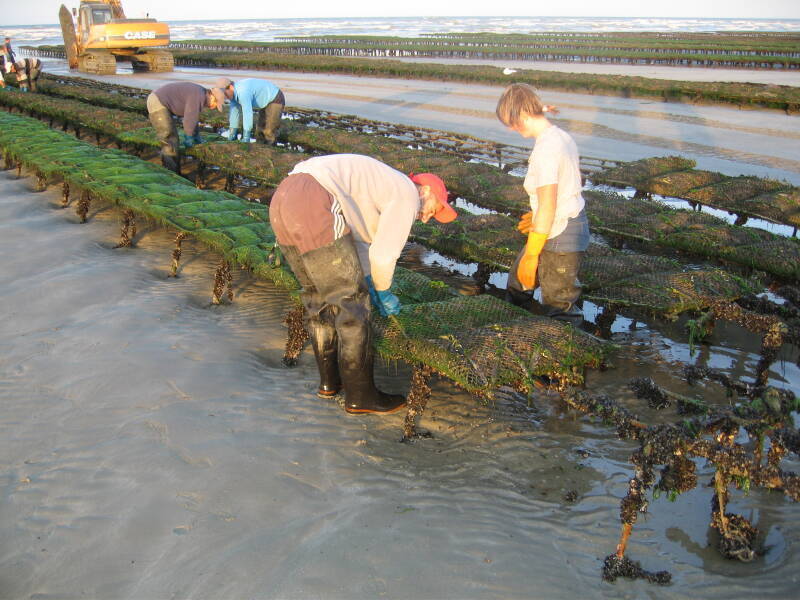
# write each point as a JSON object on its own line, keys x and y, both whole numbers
{"x": 97, "y": 62}
{"x": 153, "y": 61}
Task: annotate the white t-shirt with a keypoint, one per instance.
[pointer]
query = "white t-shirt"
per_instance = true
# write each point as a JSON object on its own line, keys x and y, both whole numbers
{"x": 379, "y": 204}
{"x": 555, "y": 160}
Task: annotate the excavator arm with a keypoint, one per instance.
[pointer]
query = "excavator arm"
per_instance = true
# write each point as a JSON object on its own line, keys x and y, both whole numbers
{"x": 116, "y": 8}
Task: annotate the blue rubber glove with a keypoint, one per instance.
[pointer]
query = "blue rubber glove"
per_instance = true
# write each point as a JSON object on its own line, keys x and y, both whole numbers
{"x": 385, "y": 301}
{"x": 188, "y": 142}
{"x": 389, "y": 303}
{"x": 233, "y": 134}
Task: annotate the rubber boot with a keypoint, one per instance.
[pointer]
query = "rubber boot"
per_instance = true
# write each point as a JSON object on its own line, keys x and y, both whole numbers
{"x": 319, "y": 322}
{"x": 339, "y": 281}
{"x": 161, "y": 120}
{"x": 325, "y": 343}
{"x": 269, "y": 119}
{"x": 360, "y": 394}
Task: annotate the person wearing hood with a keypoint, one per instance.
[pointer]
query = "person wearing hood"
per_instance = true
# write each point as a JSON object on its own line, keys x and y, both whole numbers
{"x": 341, "y": 222}
{"x": 180, "y": 99}
{"x": 247, "y": 96}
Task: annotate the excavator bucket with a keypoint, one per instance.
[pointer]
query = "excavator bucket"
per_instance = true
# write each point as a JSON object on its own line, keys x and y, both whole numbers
{"x": 70, "y": 40}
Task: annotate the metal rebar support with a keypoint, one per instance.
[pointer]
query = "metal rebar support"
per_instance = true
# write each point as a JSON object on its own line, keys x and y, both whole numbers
{"x": 127, "y": 229}
{"x": 41, "y": 182}
{"x": 176, "y": 253}
{"x": 200, "y": 178}
{"x": 297, "y": 335}
{"x": 82, "y": 210}
{"x": 229, "y": 183}
{"x": 417, "y": 400}
{"x": 222, "y": 279}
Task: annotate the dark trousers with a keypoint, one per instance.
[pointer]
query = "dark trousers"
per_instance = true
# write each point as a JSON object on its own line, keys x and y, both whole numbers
{"x": 167, "y": 134}
{"x": 336, "y": 299}
{"x": 557, "y": 274}
{"x": 269, "y": 119}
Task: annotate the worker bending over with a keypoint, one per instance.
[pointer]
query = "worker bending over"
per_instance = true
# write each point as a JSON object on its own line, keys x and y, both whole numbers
{"x": 246, "y": 96}
{"x": 338, "y": 218}
{"x": 557, "y": 227}
{"x": 185, "y": 100}
{"x": 27, "y": 71}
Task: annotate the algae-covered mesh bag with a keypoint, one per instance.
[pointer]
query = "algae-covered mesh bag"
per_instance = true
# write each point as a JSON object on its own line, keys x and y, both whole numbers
{"x": 639, "y": 171}
{"x": 778, "y": 256}
{"x": 481, "y": 342}
{"x": 601, "y": 266}
{"x": 415, "y": 288}
{"x": 734, "y": 190}
{"x": 488, "y": 238}
{"x": 608, "y": 209}
{"x": 678, "y": 183}
{"x": 670, "y": 293}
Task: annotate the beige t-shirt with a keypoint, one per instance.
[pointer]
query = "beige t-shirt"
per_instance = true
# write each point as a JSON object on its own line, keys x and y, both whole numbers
{"x": 378, "y": 202}
{"x": 555, "y": 160}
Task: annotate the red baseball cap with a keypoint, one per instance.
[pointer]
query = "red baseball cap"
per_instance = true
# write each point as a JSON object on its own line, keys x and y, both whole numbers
{"x": 446, "y": 213}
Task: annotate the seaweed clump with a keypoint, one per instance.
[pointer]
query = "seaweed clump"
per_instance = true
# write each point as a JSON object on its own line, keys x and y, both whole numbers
{"x": 615, "y": 566}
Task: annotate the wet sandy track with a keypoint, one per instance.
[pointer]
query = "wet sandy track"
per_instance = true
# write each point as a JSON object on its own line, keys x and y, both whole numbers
{"x": 152, "y": 446}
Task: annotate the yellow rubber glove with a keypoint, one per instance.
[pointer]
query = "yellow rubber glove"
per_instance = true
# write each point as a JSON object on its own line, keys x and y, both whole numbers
{"x": 526, "y": 271}
{"x": 524, "y": 225}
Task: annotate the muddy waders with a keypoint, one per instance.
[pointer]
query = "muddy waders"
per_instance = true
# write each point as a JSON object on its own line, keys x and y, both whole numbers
{"x": 269, "y": 119}
{"x": 167, "y": 133}
{"x": 337, "y": 307}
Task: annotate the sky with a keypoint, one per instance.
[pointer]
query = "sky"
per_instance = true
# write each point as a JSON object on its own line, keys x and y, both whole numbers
{"x": 33, "y": 12}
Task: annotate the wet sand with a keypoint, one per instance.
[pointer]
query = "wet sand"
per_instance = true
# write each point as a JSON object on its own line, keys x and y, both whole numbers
{"x": 152, "y": 446}
{"x": 789, "y": 77}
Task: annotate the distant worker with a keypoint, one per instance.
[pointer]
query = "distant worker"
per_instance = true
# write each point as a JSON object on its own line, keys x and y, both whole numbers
{"x": 246, "y": 96}
{"x": 8, "y": 51}
{"x": 337, "y": 218}
{"x": 5, "y": 65}
{"x": 27, "y": 71}
{"x": 181, "y": 99}
{"x": 557, "y": 227}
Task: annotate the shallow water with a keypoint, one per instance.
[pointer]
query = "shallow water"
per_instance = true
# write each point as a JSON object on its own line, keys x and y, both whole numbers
{"x": 152, "y": 446}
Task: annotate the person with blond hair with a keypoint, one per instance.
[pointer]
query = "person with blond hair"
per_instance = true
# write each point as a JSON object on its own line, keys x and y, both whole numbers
{"x": 556, "y": 227}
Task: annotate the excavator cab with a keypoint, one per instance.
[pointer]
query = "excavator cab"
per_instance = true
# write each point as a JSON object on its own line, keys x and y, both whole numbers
{"x": 91, "y": 15}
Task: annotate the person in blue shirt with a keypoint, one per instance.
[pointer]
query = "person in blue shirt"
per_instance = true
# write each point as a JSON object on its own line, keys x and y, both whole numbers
{"x": 247, "y": 96}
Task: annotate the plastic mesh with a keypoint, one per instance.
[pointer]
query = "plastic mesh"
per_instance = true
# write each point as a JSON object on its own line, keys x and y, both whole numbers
{"x": 695, "y": 232}
{"x": 481, "y": 342}
{"x": 745, "y": 195}
{"x": 612, "y": 277}
{"x": 639, "y": 171}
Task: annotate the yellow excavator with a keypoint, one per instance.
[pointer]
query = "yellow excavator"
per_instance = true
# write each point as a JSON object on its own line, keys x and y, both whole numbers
{"x": 104, "y": 35}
